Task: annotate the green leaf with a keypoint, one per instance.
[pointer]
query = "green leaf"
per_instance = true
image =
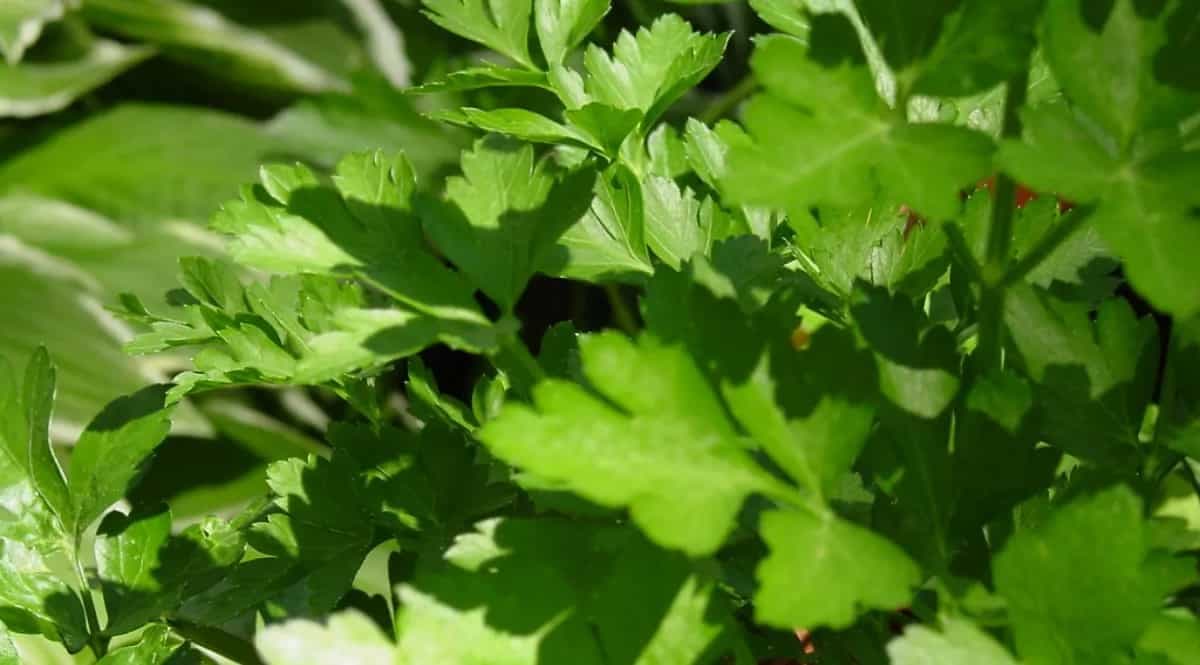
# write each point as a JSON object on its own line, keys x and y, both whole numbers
{"x": 503, "y": 214}
{"x": 1179, "y": 413}
{"x": 520, "y": 592}
{"x": 651, "y": 70}
{"x": 1102, "y": 58}
{"x": 958, "y": 642}
{"x": 147, "y": 572}
{"x": 1144, "y": 197}
{"x": 917, "y": 361}
{"x": 563, "y": 24}
{"x": 156, "y": 646}
{"x": 822, "y": 137}
{"x": 905, "y": 33}
{"x": 1174, "y": 634}
{"x": 783, "y": 15}
{"x": 667, "y": 452}
{"x": 1092, "y": 382}
{"x": 501, "y": 25}
{"x": 222, "y": 151}
{"x": 981, "y": 44}
{"x": 519, "y": 123}
{"x": 825, "y": 571}
{"x": 346, "y": 637}
{"x": 677, "y": 225}
{"x": 25, "y": 428}
{"x": 608, "y": 241}
{"x": 8, "y": 651}
{"x": 112, "y": 452}
{"x": 1069, "y": 602}
{"x": 486, "y": 76}
{"x": 35, "y": 88}
{"x": 365, "y": 227}
{"x": 21, "y": 23}
{"x": 206, "y": 38}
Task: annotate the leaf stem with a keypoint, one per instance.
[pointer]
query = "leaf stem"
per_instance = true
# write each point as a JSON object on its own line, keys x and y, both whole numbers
{"x": 96, "y": 641}
{"x": 729, "y": 99}
{"x": 514, "y": 359}
{"x": 624, "y": 317}
{"x": 999, "y": 239}
{"x": 1050, "y": 240}
{"x": 218, "y": 641}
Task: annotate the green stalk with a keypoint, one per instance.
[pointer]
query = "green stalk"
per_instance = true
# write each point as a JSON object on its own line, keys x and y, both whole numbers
{"x": 722, "y": 105}
{"x": 624, "y": 317}
{"x": 97, "y": 642}
{"x": 999, "y": 239}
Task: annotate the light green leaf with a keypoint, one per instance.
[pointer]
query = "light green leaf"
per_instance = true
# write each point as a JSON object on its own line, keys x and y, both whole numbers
{"x": 669, "y": 454}
{"x": 1069, "y": 602}
{"x": 783, "y": 15}
{"x": 523, "y": 592}
{"x": 207, "y": 39}
{"x": 562, "y": 24}
{"x": 8, "y": 650}
{"x": 486, "y": 76}
{"x": 519, "y": 123}
{"x": 1175, "y": 634}
{"x": 675, "y": 226}
{"x": 501, "y": 25}
{"x": 503, "y": 214}
{"x": 346, "y": 637}
{"x": 651, "y": 70}
{"x": 21, "y": 23}
{"x": 608, "y": 241}
{"x": 825, "y": 571}
{"x": 1105, "y": 60}
{"x": 112, "y": 452}
{"x": 33, "y": 89}
{"x": 25, "y": 428}
{"x": 1144, "y": 195}
{"x": 822, "y": 137}
{"x": 958, "y": 642}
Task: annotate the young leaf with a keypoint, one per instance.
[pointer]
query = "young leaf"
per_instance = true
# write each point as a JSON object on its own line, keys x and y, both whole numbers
{"x": 347, "y": 637}
{"x": 8, "y": 651}
{"x": 562, "y": 24}
{"x": 824, "y": 571}
{"x": 822, "y": 137}
{"x": 112, "y": 452}
{"x": 669, "y": 454}
{"x": 651, "y": 70}
{"x": 501, "y": 25}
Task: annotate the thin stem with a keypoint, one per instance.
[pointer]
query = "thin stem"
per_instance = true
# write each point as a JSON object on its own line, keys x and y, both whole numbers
{"x": 1046, "y": 245}
{"x": 97, "y": 642}
{"x": 999, "y": 239}
{"x": 514, "y": 359}
{"x": 624, "y": 317}
{"x": 217, "y": 641}
{"x": 729, "y": 99}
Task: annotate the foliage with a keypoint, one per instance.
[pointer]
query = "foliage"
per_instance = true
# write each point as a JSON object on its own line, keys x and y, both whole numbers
{"x": 871, "y": 406}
